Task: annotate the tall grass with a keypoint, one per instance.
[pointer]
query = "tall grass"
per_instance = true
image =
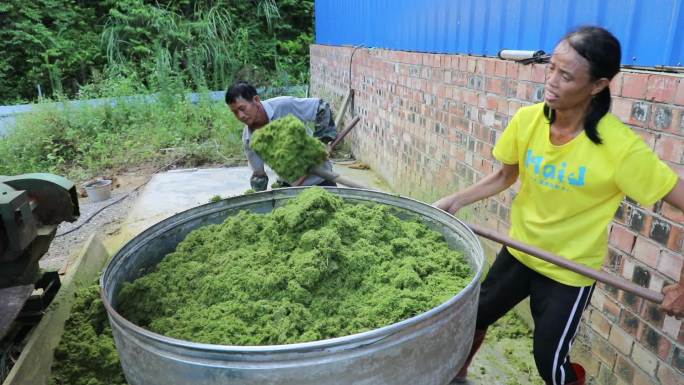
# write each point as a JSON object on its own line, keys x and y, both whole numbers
{"x": 207, "y": 49}
{"x": 82, "y": 142}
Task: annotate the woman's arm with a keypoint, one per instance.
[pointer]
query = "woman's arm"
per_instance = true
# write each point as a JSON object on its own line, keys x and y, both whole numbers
{"x": 673, "y": 304}
{"x": 490, "y": 185}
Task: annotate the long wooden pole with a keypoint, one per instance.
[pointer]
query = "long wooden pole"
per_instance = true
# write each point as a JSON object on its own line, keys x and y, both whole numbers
{"x": 601, "y": 276}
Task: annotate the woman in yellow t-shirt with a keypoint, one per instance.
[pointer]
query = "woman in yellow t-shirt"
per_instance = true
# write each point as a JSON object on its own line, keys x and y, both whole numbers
{"x": 576, "y": 162}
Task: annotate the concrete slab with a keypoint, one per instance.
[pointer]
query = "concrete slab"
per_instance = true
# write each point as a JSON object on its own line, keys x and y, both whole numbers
{"x": 175, "y": 191}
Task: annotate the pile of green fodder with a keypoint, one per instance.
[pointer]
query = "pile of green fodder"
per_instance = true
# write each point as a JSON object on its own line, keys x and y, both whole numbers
{"x": 86, "y": 354}
{"x": 316, "y": 268}
{"x": 287, "y": 147}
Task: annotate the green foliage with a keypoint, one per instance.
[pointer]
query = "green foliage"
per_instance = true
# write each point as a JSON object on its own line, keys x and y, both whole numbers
{"x": 64, "y": 45}
{"x": 86, "y": 354}
{"x": 46, "y": 42}
{"x": 81, "y": 142}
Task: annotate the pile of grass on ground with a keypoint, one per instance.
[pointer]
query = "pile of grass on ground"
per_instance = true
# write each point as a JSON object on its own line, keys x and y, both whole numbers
{"x": 86, "y": 354}
{"x": 86, "y": 141}
{"x": 285, "y": 145}
{"x": 313, "y": 269}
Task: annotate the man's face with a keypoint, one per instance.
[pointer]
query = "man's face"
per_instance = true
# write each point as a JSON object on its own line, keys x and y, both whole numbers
{"x": 247, "y": 111}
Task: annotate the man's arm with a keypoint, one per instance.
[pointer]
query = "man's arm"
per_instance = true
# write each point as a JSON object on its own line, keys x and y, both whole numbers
{"x": 673, "y": 304}
{"x": 490, "y": 185}
{"x": 324, "y": 125}
{"x": 259, "y": 179}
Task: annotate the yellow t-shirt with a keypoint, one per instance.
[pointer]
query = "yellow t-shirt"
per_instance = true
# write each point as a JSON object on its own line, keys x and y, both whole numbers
{"x": 569, "y": 193}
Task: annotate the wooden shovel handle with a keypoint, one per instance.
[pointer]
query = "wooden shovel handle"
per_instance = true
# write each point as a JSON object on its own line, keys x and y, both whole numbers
{"x": 342, "y": 134}
{"x": 610, "y": 279}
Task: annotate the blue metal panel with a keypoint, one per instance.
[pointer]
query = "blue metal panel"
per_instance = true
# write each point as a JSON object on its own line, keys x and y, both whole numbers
{"x": 651, "y": 31}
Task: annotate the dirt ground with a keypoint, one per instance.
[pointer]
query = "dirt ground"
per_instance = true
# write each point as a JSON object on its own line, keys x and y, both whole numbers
{"x": 103, "y": 218}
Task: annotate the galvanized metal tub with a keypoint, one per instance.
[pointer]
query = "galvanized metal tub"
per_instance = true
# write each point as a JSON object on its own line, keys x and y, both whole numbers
{"x": 426, "y": 349}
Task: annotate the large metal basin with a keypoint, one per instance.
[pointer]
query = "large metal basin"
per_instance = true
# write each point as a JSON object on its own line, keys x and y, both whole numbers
{"x": 426, "y": 349}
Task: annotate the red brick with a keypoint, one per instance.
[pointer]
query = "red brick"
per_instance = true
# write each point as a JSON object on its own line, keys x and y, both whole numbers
{"x": 644, "y": 359}
{"x": 582, "y": 353}
{"x": 604, "y": 351}
{"x": 525, "y": 72}
{"x": 616, "y": 85}
{"x": 631, "y": 323}
{"x": 463, "y": 63}
{"x": 539, "y": 73}
{"x": 640, "y": 113}
{"x": 656, "y": 343}
{"x": 669, "y": 376}
{"x": 671, "y": 264}
{"x": 670, "y": 148}
{"x": 600, "y": 324}
{"x": 490, "y": 67}
{"x": 648, "y": 137}
{"x": 646, "y": 251}
{"x": 622, "y": 238}
{"x": 672, "y": 326}
{"x": 662, "y": 88}
{"x": 631, "y": 301}
{"x": 495, "y": 85}
{"x": 676, "y": 237}
{"x": 513, "y": 106}
{"x": 634, "y": 85}
{"x": 500, "y": 68}
{"x": 679, "y": 96}
{"x": 512, "y": 71}
{"x": 653, "y": 314}
{"x": 622, "y": 108}
{"x": 606, "y": 376}
{"x": 657, "y": 283}
{"x": 621, "y": 340}
{"x": 663, "y": 118}
{"x": 611, "y": 309}
{"x": 678, "y": 359}
{"x": 624, "y": 369}
{"x": 521, "y": 91}
{"x": 627, "y": 268}
{"x": 672, "y": 213}
{"x": 641, "y": 378}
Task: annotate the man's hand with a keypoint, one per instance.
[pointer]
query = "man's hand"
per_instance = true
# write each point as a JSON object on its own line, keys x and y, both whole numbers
{"x": 259, "y": 182}
{"x": 673, "y": 304}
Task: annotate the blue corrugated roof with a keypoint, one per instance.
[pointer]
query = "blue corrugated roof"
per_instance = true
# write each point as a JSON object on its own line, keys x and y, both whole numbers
{"x": 651, "y": 31}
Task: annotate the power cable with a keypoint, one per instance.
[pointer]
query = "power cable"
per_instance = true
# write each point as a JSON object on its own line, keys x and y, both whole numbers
{"x": 176, "y": 160}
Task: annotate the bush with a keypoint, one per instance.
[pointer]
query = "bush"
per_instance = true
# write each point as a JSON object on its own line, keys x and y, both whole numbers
{"x": 83, "y": 141}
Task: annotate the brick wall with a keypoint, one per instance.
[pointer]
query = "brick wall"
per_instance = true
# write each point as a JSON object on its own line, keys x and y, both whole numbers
{"x": 429, "y": 123}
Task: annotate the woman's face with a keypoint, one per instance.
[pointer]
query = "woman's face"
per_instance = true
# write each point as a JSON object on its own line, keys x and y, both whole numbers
{"x": 568, "y": 82}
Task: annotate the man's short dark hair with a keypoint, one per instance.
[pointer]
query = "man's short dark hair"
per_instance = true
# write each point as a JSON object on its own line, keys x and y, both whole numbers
{"x": 240, "y": 89}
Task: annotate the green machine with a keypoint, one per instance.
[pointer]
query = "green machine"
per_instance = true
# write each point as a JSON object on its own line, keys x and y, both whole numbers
{"x": 31, "y": 208}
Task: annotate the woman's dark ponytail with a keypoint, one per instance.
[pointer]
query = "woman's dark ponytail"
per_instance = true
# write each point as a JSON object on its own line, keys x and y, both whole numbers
{"x": 602, "y": 50}
{"x": 600, "y": 105}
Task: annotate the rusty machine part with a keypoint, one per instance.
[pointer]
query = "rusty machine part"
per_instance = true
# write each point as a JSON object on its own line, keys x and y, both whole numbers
{"x": 31, "y": 208}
